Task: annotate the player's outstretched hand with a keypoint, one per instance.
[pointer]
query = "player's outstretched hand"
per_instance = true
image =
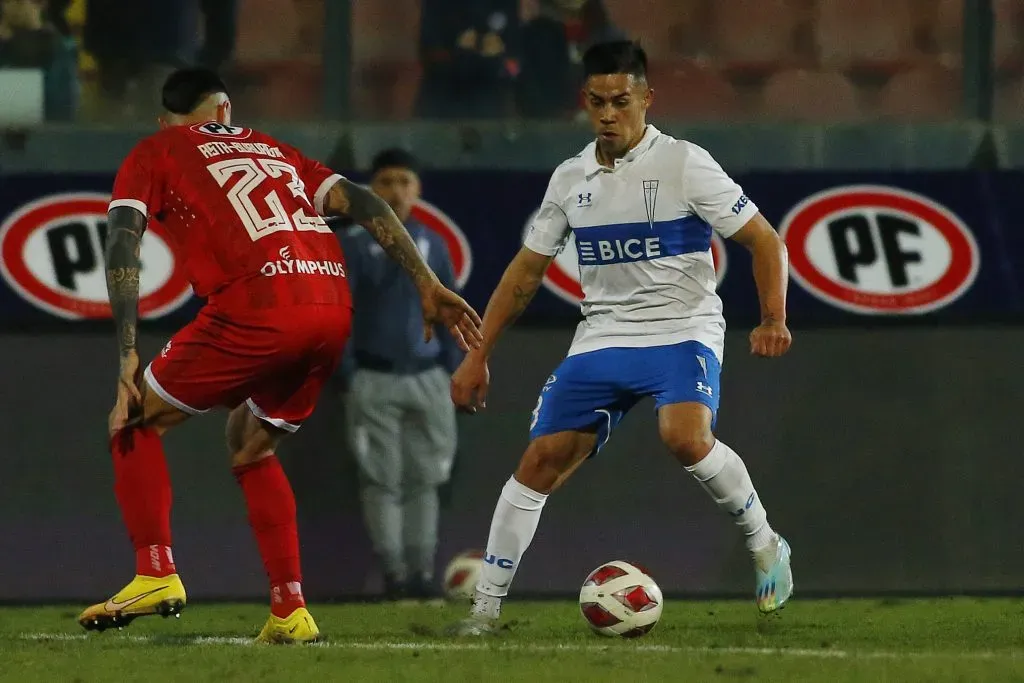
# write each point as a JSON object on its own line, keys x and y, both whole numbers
{"x": 441, "y": 306}
{"x": 470, "y": 383}
{"x": 770, "y": 339}
{"x": 128, "y": 405}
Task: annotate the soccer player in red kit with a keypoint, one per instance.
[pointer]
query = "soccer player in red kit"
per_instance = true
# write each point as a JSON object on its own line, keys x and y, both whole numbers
{"x": 244, "y": 212}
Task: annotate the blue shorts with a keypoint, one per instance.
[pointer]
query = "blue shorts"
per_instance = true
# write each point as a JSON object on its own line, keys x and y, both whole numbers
{"x": 597, "y": 388}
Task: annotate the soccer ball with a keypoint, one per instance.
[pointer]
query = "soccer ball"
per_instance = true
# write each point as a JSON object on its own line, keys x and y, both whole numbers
{"x": 461, "y": 574}
{"x": 620, "y": 599}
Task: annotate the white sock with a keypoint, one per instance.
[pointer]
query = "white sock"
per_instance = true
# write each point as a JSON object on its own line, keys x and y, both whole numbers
{"x": 723, "y": 475}
{"x": 512, "y": 528}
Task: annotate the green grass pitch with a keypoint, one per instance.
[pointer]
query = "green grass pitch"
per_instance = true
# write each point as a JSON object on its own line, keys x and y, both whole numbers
{"x": 826, "y": 641}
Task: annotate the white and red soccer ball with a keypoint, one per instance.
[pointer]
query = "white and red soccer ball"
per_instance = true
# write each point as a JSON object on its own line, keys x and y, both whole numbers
{"x": 461, "y": 574}
{"x": 620, "y": 599}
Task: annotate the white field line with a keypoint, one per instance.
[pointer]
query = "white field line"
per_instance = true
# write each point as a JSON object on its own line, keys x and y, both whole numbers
{"x": 824, "y": 653}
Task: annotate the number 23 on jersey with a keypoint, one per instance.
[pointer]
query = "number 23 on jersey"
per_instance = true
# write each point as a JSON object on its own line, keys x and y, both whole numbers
{"x": 254, "y": 173}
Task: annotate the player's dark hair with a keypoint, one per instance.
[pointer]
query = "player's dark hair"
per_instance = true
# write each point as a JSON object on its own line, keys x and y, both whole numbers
{"x": 185, "y": 89}
{"x": 617, "y": 57}
{"x": 394, "y": 158}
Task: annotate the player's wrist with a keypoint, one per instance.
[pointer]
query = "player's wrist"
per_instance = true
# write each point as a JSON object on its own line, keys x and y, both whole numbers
{"x": 427, "y": 283}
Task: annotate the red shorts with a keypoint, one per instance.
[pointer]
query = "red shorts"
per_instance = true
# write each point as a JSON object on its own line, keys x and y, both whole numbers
{"x": 277, "y": 361}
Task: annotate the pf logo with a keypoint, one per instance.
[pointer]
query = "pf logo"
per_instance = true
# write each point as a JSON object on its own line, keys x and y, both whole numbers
{"x": 51, "y": 253}
{"x": 458, "y": 246}
{"x": 879, "y": 250}
{"x": 563, "y": 276}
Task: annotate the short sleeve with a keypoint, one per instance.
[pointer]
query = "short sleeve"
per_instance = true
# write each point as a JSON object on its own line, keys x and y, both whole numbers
{"x": 713, "y": 195}
{"x": 317, "y": 179}
{"x": 138, "y": 182}
{"x": 550, "y": 227}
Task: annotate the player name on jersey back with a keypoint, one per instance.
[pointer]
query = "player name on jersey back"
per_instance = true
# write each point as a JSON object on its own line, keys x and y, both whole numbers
{"x": 244, "y": 212}
{"x": 210, "y": 150}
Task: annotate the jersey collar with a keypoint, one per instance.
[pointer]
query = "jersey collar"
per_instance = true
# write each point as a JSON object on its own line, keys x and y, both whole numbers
{"x": 592, "y": 167}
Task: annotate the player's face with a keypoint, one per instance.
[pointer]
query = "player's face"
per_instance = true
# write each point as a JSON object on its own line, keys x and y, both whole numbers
{"x": 617, "y": 105}
{"x": 399, "y": 187}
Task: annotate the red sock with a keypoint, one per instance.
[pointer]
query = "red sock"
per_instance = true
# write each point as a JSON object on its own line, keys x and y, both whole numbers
{"x": 271, "y": 503}
{"x": 143, "y": 489}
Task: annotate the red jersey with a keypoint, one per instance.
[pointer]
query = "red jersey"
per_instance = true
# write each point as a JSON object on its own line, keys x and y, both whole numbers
{"x": 244, "y": 213}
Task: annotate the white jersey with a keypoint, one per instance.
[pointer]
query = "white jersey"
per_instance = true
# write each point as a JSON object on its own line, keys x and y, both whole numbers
{"x": 643, "y": 235}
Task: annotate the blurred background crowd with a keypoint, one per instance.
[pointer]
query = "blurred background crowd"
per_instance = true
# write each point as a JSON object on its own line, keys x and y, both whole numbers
{"x": 395, "y": 60}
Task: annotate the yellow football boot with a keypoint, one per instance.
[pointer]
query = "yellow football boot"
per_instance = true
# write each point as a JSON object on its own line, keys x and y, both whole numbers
{"x": 297, "y": 627}
{"x": 145, "y": 595}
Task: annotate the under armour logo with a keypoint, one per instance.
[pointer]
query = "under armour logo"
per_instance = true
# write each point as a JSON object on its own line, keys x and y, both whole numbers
{"x": 584, "y": 199}
{"x": 704, "y": 388}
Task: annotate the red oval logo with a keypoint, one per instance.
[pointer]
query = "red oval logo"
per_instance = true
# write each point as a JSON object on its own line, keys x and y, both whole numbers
{"x": 563, "y": 275}
{"x": 51, "y": 253}
{"x": 879, "y": 250}
{"x": 458, "y": 246}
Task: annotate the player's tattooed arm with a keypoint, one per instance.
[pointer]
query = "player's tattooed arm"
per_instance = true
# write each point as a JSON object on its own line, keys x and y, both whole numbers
{"x": 125, "y": 226}
{"x": 363, "y": 206}
{"x": 518, "y": 285}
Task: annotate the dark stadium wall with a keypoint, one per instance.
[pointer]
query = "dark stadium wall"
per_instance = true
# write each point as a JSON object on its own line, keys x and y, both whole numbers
{"x": 890, "y": 459}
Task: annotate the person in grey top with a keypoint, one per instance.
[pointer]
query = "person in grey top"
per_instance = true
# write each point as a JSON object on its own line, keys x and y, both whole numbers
{"x": 400, "y": 419}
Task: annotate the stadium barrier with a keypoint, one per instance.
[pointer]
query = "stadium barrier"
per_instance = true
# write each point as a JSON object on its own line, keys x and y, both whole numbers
{"x": 885, "y": 453}
{"x": 939, "y": 246}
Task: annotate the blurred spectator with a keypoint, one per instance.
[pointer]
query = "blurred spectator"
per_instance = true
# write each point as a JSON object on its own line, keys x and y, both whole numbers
{"x": 401, "y": 420}
{"x": 591, "y": 26}
{"x": 220, "y": 22}
{"x": 171, "y": 29}
{"x": 27, "y": 41}
{"x": 113, "y": 35}
{"x": 545, "y": 87}
{"x": 553, "y": 46}
{"x": 135, "y": 44}
{"x": 56, "y": 14}
{"x": 468, "y": 49}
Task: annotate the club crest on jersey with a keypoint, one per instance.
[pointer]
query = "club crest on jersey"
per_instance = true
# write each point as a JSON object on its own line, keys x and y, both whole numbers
{"x": 650, "y": 200}
{"x": 222, "y": 131}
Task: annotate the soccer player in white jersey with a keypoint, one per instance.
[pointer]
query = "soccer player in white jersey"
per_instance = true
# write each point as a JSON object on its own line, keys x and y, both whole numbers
{"x": 642, "y": 206}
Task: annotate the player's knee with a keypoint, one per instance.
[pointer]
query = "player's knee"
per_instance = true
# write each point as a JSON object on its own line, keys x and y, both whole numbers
{"x": 157, "y": 414}
{"x": 234, "y": 431}
{"x": 249, "y": 438}
{"x": 689, "y": 443}
{"x": 545, "y": 460}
